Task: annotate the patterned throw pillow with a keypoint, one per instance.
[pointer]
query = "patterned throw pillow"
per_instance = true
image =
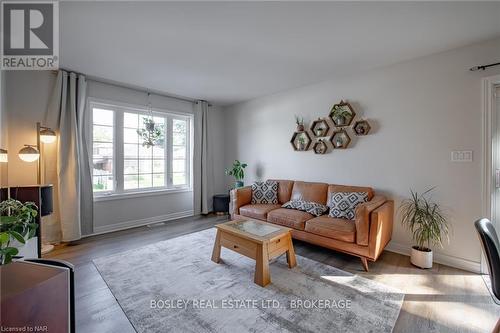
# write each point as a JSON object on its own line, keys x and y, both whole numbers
{"x": 265, "y": 192}
{"x": 343, "y": 204}
{"x": 313, "y": 208}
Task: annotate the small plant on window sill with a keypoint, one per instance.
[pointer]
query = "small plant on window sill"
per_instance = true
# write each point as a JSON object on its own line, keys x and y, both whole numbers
{"x": 152, "y": 134}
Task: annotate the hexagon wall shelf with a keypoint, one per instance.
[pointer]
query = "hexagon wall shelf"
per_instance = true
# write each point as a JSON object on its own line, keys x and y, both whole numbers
{"x": 297, "y": 145}
{"x": 320, "y": 128}
{"x": 340, "y": 139}
{"x": 342, "y": 114}
{"x": 320, "y": 147}
{"x": 361, "y": 127}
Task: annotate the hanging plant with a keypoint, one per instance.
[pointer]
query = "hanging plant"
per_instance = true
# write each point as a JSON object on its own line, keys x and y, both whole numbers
{"x": 151, "y": 134}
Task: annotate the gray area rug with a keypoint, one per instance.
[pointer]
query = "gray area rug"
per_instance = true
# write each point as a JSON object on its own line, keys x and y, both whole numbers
{"x": 173, "y": 286}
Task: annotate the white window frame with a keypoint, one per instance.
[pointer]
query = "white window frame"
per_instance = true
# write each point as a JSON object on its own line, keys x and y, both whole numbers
{"x": 118, "y": 154}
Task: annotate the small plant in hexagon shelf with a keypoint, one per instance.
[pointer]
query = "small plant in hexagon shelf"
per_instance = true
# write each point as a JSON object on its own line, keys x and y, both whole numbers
{"x": 340, "y": 139}
{"x": 320, "y": 128}
{"x": 342, "y": 114}
{"x": 361, "y": 127}
{"x": 320, "y": 147}
{"x": 300, "y": 141}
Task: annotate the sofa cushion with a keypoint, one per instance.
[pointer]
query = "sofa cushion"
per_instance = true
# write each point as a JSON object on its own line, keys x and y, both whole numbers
{"x": 314, "y": 208}
{"x": 315, "y": 192}
{"x": 284, "y": 190}
{"x": 257, "y": 211}
{"x": 265, "y": 192}
{"x": 343, "y": 204}
{"x": 339, "y": 229}
{"x": 289, "y": 218}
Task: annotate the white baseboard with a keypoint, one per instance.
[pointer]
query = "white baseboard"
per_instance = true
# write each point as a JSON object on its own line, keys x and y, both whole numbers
{"x": 440, "y": 258}
{"x": 138, "y": 223}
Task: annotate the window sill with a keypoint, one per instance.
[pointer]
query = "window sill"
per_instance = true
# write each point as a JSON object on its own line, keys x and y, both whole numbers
{"x": 139, "y": 194}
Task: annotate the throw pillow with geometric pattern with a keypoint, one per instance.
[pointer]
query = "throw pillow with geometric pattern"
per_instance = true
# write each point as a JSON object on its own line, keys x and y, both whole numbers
{"x": 310, "y": 207}
{"x": 265, "y": 192}
{"x": 343, "y": 204}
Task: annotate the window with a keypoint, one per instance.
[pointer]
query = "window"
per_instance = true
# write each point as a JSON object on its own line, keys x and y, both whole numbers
{"x": 102, "y": 150}
{"x": 121, "y": 164}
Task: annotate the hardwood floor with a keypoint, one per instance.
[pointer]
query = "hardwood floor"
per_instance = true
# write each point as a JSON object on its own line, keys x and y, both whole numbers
{"x": 442, "y": 299}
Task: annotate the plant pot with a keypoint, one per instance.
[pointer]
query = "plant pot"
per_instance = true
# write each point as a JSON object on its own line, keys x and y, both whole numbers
{"x": 300, "y": 128}
{"x": 340, "y": 120}
{"x": 238, "y": 184}
{"x": 319, "y": 132}
{"x": 301, "y": 146}
{"x": 419, "y": 258}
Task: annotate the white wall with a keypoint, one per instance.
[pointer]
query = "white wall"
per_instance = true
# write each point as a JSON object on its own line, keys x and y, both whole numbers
{"x": 27, "y": 95}
{"x": 420, "y": 111}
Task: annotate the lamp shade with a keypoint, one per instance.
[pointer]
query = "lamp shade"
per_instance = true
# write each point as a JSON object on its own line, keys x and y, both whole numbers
{"x": 47, "y": 135}
{"x": 3, "y": 156}
{"x": 29, "y": 154}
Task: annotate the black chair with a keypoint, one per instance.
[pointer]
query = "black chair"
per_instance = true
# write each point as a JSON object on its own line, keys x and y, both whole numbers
{"x": 64, "y": 264}
{"x": 491, "y": 249}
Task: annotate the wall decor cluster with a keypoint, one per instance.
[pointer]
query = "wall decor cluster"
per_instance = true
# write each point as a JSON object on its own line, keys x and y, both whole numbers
{"x": 330, "y": 131}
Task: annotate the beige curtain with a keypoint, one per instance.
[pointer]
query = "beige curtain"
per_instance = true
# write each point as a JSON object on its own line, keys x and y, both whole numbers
{"x": 203, "y": 161}
{"x": 68, "y": 167}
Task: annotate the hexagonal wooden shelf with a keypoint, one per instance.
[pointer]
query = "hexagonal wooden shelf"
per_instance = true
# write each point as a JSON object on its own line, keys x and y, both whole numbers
{"x": 340, "y": 139}
{"x": 320, "y": 147}
{"x": 320, "y": 128}
{"x": 342, "y": 114}
{"x": 297, "y": 146}
{"x": 361, "y": 127}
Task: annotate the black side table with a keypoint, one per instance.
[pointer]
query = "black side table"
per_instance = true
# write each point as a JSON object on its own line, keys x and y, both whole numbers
{"x": 221, "y": 204}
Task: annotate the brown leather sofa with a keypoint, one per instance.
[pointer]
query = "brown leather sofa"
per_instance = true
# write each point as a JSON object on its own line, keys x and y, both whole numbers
{"x": 365, "y": 237}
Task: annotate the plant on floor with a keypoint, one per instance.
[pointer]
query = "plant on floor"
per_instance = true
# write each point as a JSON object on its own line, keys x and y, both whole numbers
{"x": 237, "y": 171}
{"x": 427, "y": 223}
{"x": 17, "y": 222}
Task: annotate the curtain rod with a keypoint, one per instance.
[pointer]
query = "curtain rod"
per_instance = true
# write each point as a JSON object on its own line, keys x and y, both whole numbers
{"x": 483, "y": 67}
{"x": 129, "y": 86}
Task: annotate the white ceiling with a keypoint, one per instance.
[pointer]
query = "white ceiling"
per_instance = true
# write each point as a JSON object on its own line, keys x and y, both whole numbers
{"x": 230, "y": 52}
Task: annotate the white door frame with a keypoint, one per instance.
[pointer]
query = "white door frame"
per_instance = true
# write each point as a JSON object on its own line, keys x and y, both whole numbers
{"x": 490, "y": 148}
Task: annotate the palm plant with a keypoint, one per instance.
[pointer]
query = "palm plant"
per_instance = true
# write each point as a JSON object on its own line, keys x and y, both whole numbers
{"x": 17, "y": 222}
{"x": 425, "y": 220}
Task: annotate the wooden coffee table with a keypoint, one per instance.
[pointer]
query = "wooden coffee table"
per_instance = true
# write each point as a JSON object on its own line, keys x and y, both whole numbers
{"x": 258, "y": 240}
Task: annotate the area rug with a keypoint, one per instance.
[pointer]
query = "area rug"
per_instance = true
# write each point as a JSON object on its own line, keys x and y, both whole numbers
{"x": 173, "y": 286}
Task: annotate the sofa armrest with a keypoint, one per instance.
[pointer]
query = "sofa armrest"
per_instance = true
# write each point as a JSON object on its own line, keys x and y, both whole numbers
{"x": 239, "y": 197}
{"x": 382, "y": 220}
{"x": 362, "y": 218}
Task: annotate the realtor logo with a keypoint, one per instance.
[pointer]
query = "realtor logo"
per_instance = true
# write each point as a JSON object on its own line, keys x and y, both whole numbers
{"x": 30, "y": 35}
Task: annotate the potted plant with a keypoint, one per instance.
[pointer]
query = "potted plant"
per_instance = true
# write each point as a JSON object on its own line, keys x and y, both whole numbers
{"x": 340, "y": 115}
{"x": 152, "y": 134}
{"x": 301, "y": 143}
{"x": 17, "y": 225}
{"x": 237, "y": 172}
{"x": 320, "y": 131}
{"x": 300, "y": 123}
{"x": 428, "y": 226}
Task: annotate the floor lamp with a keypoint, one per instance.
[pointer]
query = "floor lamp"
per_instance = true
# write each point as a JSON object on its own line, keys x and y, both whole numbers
{"x": 32, "y": 153}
